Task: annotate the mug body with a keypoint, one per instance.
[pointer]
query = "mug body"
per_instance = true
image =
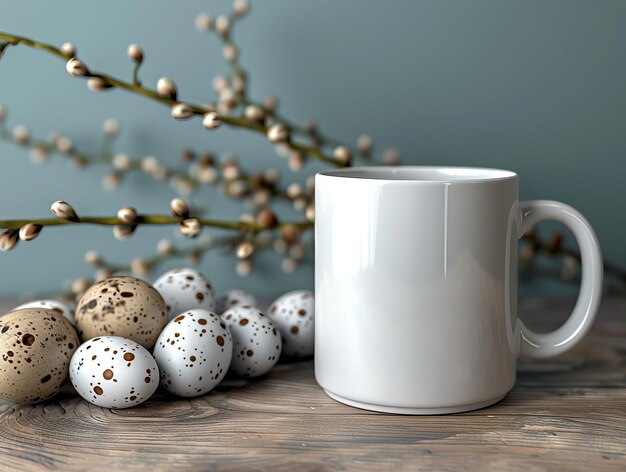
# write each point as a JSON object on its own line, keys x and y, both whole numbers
{"x": 415, "y": 282}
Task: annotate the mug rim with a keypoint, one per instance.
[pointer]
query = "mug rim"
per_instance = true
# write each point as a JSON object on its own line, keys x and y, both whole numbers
{"x": 434, "y": 174}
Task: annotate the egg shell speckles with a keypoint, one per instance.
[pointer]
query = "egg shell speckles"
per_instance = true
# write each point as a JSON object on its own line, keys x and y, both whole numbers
{"x": 193, "y": 353}
{"x": 35, "y": 350}
{"x": 185, "y": 289}
{"x": 294, "y": 316}
{"x": 121, "y": 306}
{"x": 54, "y": 305}
{"x": 114, "y": 372}
{"x": 234, "y": 297}
{"x": 256, "y": 342}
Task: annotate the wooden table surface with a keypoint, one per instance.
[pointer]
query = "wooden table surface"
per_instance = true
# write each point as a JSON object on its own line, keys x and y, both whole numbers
{"x": 566, "y": 413}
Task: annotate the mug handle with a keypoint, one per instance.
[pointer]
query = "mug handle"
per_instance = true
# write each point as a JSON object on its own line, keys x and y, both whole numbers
{"x": 541, "y": 345}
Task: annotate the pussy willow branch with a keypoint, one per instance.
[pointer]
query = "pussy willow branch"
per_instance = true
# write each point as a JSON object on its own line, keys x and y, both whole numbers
{"x": 237, "y": 71}
{"x": 553, "y": 248}
{"x": 106, "y": 157}
{"x": 195, "y": 109}
{"x": 149, "y": 220}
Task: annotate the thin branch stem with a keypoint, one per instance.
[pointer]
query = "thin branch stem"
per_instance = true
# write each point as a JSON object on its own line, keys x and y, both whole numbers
{"x": 146, "y": 220}
{"x": 153, "y": 95}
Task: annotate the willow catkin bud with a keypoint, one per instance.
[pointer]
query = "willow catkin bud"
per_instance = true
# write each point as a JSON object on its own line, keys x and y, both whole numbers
{"x": 288, "y": 265}
{"x": 290, "y": 234}
{"x": 103, "y": 274}
{"x": 270, "y": 103}
{"x": 79, "y": 286}
{"x": 76, "y": 68}
{"x": 204, "y": 22}
{"x": 68, "y": 49}
{"x": 244, "y": 250}
{"x": 181, "y": 111}
{"x": 122, "y": 232}
{"x": 243, "y": 267}
{"x": 266, "y": 219}
{"x": 231, "y": 171}
{"x": 96, "y": 84}
{"x": 294, "y": 190}
{"x": 111, "y": 127}
{"x": 166, "y": 88}
{"x": 20, "y": 134}
{"x": 299, "y": 203}
{"x": 127, "y": 215}
{"x": 190, "y": 228}
{"x": 8, "y": 240}
{"x": 365, "y": 143}
{"x": 241, "y": 7}
{"x": 271, "y": 176}
{"x": 261, "y": 197}
{"x": 220, "y": 83}
{"x": 391, "y": 157}
{"x": 296, "y": 161}
{"x": 222, "y": 25}
{"x": 342, "y": 154}
{"x": 253, "y": 113}
{"x": 64, "y": 145}
{"x": 64, "y": 211}
{"x": 280, "y": 246}
{"x": 187, "y": 155}
{"x": 309, "y": 213}
{"x": 139, "y": 266}
{"x": 122, "y": 161}
{"x": 297, "y": 252}
{"x": 277, "y": 133}
{"x": 93, "y": 259}
{"x": 112, "y": 180}
{"x": 29, "y": 231}
{"x": 39, "y": 154}
{"x": 569, "y": 268}
{"x": 165, "y": 247}
{"x": 135, "y": 53}
{"x": 230, "y": 52}
{"x": 211, "y": 120}
{"x": 310, "y": 127}
{"x": 179, "y": 208}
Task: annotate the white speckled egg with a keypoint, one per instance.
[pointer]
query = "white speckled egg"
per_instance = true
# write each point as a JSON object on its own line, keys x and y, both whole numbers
{"x": 185, "y": 289}
{"x": 57, "y": 307}
{"x": 294, "y": 316}
{"x": 256, "y": 342}
{"x": 234, "y": 297}
{"x": 114, "y": 372}
{"x": 193, "y": 352}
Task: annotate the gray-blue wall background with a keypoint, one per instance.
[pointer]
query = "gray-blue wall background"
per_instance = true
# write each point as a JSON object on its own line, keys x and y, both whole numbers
{"x": 538, "y": 87}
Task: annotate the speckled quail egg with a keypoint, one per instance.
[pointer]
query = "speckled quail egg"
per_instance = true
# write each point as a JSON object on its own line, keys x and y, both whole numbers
{"x": 234, "y": 297}
{"x": 185, "y": 289}
{"x": 121, "y": 306}
{"x": 36, "y": 346}
{"x": 294, "y": 316}
{"x": 54, "y": 305}
{"x": 256, "y": 342}
{"x": 193, "y": 353}
{"x": 114, "y": 372}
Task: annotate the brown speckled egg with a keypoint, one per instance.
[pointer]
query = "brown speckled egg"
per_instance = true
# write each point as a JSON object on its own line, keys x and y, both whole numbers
{"x": 121, "y": 306}
{"x": 36, "y": 346}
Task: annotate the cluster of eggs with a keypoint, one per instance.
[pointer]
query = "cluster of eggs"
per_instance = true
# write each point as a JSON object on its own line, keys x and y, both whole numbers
{"x": 136, "y": 336}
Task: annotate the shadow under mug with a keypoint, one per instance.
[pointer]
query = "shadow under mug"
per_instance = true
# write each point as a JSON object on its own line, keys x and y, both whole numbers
{"x": 416, "y": 286}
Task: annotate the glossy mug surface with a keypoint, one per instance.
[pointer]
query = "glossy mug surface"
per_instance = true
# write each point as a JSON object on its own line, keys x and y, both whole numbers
{"x": 416, "y": 286}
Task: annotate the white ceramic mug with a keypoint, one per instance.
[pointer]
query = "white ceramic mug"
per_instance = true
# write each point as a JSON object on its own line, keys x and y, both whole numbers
{"x": 416, "y": 286}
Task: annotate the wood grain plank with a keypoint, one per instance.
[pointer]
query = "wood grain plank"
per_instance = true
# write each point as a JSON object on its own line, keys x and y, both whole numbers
{"x": 567, "y": 413}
